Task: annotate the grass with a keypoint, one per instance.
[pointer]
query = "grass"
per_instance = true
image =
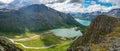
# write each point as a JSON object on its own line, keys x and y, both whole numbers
{"x": 33, "y": 43}
{"x": 57, "y": 48}
{"x": 17, "y": 36}
{"x": 39, "y": 42}
{"x": 45, "y": 39}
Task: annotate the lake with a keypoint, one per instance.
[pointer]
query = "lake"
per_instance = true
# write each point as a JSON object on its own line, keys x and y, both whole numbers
{"x": 83, "y": 22}
{"x": 67, "y": 32}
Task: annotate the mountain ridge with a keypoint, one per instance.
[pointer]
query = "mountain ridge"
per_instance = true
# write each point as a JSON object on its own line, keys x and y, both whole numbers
{"x": 96, "y": 33}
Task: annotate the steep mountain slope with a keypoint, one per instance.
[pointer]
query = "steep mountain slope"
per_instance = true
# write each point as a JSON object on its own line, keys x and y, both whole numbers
{"x": 5, "y": 45}
{"x": 96, "y": 37}
{"x": 42, "y": 16}
{"x": 34, "y": 18}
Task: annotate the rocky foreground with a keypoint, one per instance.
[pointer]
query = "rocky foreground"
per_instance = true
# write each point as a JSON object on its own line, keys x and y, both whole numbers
{"x": 5, "y": 45}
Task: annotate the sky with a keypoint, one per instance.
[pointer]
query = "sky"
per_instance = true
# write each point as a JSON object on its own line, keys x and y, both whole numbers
{"x": 87, "y": 6}
{"x": 87, "y": 3}
{"x": 81, "y": 6}
{"x": 6, "y": 1}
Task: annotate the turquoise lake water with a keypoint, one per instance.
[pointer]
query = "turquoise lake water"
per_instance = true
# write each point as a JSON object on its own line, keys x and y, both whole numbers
{"x": 84, "y": 22}
{"x": 71, "y": 32}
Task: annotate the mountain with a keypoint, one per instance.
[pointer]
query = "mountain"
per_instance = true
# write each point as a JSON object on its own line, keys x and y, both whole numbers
{"x": 114, "y": 12}
{"x": 103, "y": 34}
{"x": 35, "y": 18}
{"x": 16, "y": 4}
{"x": 5, "y": 45}
{"x": 93, "y": 15}
{"x": 89, "y": 15}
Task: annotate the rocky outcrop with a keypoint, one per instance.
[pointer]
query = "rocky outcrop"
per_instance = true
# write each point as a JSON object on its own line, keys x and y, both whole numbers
{"x": 96, "y": 34}
{"x": 5, "y": 45}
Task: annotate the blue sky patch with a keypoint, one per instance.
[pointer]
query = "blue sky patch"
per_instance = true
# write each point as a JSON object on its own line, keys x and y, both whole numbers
{"x": 87, "y": 3}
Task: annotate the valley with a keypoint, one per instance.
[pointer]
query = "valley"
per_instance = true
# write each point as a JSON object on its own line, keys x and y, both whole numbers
{"x": 42, "y": 41}
{"x": 39, "y": 28}
{"x": 59, "y": 25}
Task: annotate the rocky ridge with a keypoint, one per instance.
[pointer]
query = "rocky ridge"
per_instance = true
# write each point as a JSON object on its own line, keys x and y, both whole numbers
{"x": 102, "y": 35}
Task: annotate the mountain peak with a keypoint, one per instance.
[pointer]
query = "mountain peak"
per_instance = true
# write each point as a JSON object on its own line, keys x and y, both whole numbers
{"x": 36, "y": 6}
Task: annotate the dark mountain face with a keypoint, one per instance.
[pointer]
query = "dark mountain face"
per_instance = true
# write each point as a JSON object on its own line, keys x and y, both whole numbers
{"x": 34, "y": 18}
{"x": 10, "y": 22}
{"x": 96, "y": 33}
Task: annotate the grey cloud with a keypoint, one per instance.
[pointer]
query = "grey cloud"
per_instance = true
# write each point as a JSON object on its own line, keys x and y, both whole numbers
{"x": 77, "y": 1}
{"x": 61, "y": 1}
{"x": 58, "y": 1}
{"x": 1, "y": 3}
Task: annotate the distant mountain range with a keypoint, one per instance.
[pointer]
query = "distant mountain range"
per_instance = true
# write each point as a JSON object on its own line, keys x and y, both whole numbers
{"x": 89, "y": 16}
{"x": 35, "y": 18}
{"x": 114, "y": 12}
{"x": 92, "y": 15}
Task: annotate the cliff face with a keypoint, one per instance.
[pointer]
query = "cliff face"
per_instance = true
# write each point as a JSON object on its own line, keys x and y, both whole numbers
{"x": 5, "y": 45}
{"x": 97, "y": 35}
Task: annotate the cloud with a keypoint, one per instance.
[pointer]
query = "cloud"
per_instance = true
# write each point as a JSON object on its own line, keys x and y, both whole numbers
{"x": 77, "y": 7}
{"x": 98, "y": 7}
{"x": 77, "y": 1}
{"x": 66, "y": 5}
{"x": 6, "y": 1}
